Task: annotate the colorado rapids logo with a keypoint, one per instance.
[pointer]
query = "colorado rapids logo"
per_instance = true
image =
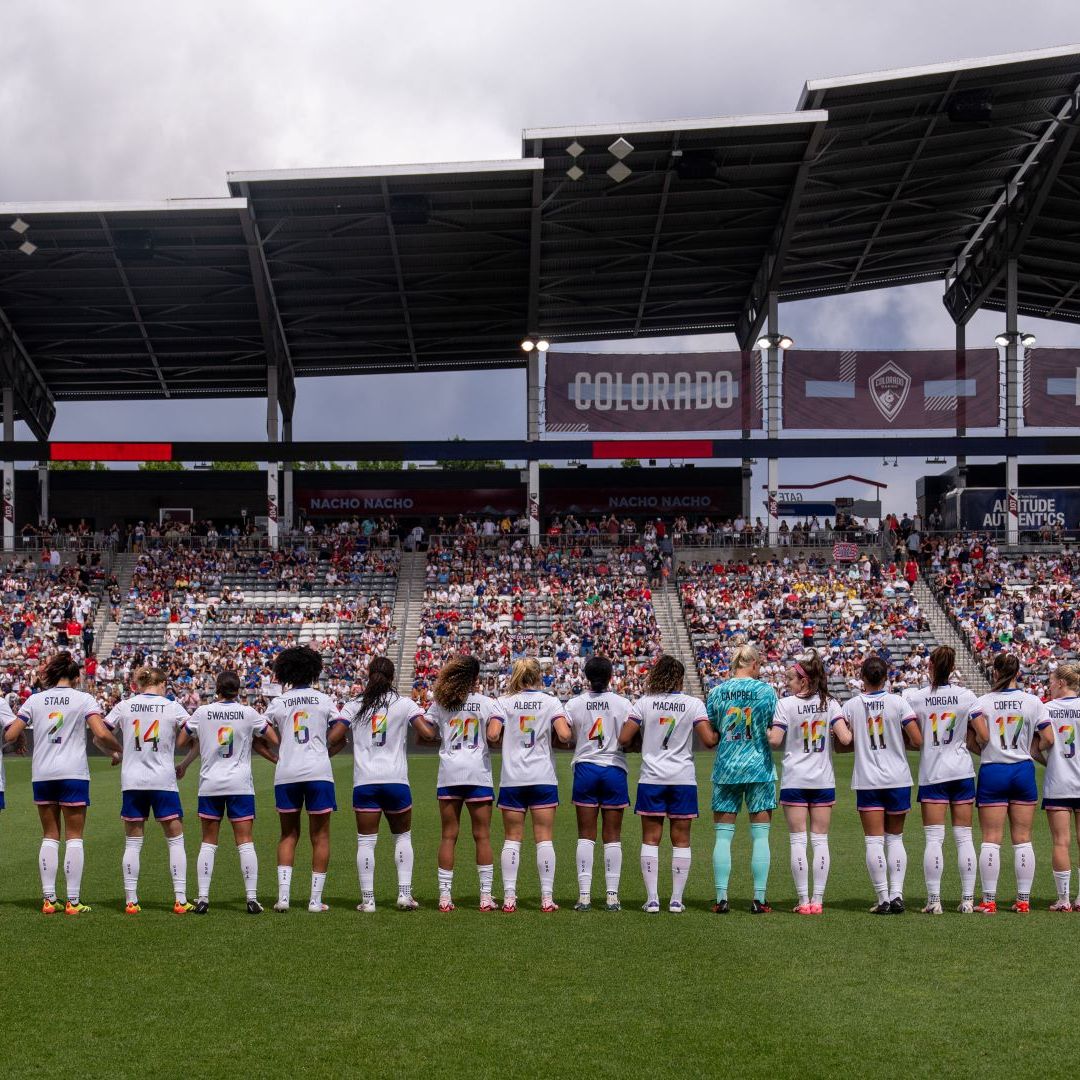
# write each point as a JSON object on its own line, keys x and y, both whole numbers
{"x": 889, "y": 387}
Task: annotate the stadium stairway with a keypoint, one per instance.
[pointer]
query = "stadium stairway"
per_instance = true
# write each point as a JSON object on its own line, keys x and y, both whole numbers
{"x": 674, "y": 636}
{"x": 947, "y": 634}
{"x": 105, "y": 630}
{"x": 408, "y": 607}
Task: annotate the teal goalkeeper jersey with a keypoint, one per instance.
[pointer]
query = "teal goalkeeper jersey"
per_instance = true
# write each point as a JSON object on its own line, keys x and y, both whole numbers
{"x": 741, "y": 711}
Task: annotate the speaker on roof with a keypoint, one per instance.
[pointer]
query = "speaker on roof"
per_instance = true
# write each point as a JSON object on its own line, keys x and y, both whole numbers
{"x": 971, "y": 107}
{"x": 695, "y": 165}
{"x": 409, "y": 209}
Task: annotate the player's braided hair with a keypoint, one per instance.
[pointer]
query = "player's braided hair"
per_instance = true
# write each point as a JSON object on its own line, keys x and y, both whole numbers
{"x": 455, "y": 682}
{"x": 61, "y": 666}
{"x": 942, "y": 662}
{"x": 665, "y": 676}
{"x": 1006, "y": 668}
{"x": 379, "y": 686}
{"x": 297, "y": 666}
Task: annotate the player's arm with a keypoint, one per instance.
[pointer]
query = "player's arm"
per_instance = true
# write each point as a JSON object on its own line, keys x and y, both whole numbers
{"x": 629, "y": 731}
{"x": 977, "y": 727}
{"x": 841, "y": 731}
{"x": 102, "y": 734}
{"x": 909, "y": 725}
{"x": 337, "y": 735}
{"x": 563, "y": 731}
{"x": 709, "y": 736}
{"x": 424, "y": 728}
{"x": 1037, "y": 750}
{"x": 190, "y": 756}
{"x": 1044, "y": 733}
{"x": 495, "y": 726}
{"x": 14, "y": 731}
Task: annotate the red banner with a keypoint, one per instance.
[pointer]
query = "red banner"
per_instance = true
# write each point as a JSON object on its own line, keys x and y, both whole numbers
{"x": 650, "y": 392}
{"x": 872, "y": 391}
{"x": 1052, "y": 388}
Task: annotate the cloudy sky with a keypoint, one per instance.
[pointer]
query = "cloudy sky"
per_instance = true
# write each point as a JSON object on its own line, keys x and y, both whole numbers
{"x": 146, "y": 99}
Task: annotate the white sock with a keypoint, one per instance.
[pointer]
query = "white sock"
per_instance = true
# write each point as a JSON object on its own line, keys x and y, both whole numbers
{"x": 365, "y": 865}
{"x": 1063, "y": 882}
{"x": 446, "y": 882}
{"x": 989, "y": 869}
{"x": 545, "y": 867}
{"x": 249, "y": 868}
{"x": 486, "y": 874}
{"x": 819, "y": 844}
{"x": 511, "y": 855}
{"x": 403, "y": 857}
{"x": 130, "y": 867}
{"x": 650, "y": 871}
{"x": 1024, "y": 864}
{"x": 933, "y": 861}
{"x": 48, "y": 861}
{"x": 73, "y": 868}
{"x": 284, "y": 883}
{"x": 585, "y": 851}
{"x": 318, "y": 883}
{"x": 896, "y": 857}
{"x": 877, "y": 867}
{"x": 680, "y": 871}
{"x": 612, "y": 867}
{"x": 800, "y": 872}
{"x": 204, "y": 869}
{"x": 178, "y": 867}
{"x": 966, "y": 859}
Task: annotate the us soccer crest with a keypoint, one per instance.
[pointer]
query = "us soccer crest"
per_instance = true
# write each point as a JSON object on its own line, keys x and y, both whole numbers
{"x": 889, "y": 388}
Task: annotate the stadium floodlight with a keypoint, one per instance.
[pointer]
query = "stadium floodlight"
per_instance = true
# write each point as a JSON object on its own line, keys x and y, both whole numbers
{"x": 528, "y": 345}
{"x": 1020, "y": 337}
{"x": 1027, "y": 340}
{"x": 775, "y": 341}
{"x": 543, "y": 345}
{"x": 19, "y": 226}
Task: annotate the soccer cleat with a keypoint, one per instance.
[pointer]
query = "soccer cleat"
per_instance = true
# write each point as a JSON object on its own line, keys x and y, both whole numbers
{"x": 366, "y": 906}
{"x": 509, "y": 905}
{"x": 407, "y": 903}
{"x": 651, "y": 907}
{"x": 254, "y": 907}
{"x": 446, "y": 904}
{"x": 966, "y": 907}
{"x": 548, "y": 905}
{"x": 73, "y": 907}
{"x": 281, "y": 906}
{"x": 132, "y": 907}
{"x": 676, "y": 907}
{"x": 804, "y": 909}
{"x": 1062, "y": 905}
{"x": 816, "y": 909}
{"x": 884, "y": 908}
{"x": 202, "y": 907}
{"x": 583, "y": 905}
{"x": 721, "y": 907}
{"x": 49, "y": 905}
{"x": 760, "y": 907}
{"x": 487, "y": 903}
{"x": 896, "y": 906}
{"x": 184, "y": 908}
{"x": 1022, "y": 907}
{"x": 613, "y": 905}
{"x": 987, "y": 907}
{"x": 933, "y": 909}
{"x": 317, "y": 907}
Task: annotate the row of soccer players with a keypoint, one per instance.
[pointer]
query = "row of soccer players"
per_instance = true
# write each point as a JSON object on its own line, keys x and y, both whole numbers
{"x": 743, "y": 719}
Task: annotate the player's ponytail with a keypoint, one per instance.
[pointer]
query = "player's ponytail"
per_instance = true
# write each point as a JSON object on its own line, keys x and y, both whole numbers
{"x": 811, "y": 668}
{"x": 745, "y": 657}
{"x": 1069, "y": 675}
{"x": 379, "y": 686}
{"x": 145, "y": 677}
{"x": 1006, "y": 668}
{"x": 942, "y": 663}
{"x": 524, "y": 675}
{"x": 455, "y": 682}
{"x": 61, "y": 667}
{"x": 598, "y": 672}
{"x": 665, "y": 676}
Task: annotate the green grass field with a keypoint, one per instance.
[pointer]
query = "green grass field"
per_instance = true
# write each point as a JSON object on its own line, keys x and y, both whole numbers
{"x": 571, "y": 994}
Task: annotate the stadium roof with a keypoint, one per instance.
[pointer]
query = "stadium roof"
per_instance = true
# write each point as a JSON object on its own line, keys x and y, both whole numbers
{"x": 599, "y": 231}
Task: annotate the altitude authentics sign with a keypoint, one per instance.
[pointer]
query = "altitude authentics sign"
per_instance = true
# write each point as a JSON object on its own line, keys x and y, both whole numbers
{"x": 1052, "y": 387}
{"x": 871, "y": 391}
{"x": 644, "y": 392}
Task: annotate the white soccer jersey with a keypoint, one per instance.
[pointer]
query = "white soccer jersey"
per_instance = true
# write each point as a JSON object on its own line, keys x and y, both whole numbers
{"x": 464, "y": 757}
{"x": 667, "y": 737}
{"x": 596, "y": 720}
{"x": 807, "y": 725}
{"x": 225, "y": 730}
{"x": 1062, "y": 780}
{"x": 7, "y": 718}
{"x": 380, "y": 739}
{"x": 303, "y": 718}
{"x": 942, "y": 712}
{"x": 148, "y": 724}
{"x": 1012, "y": 717}
{"x": 528, "y": 756}
{"x": 877, "y": 726}
{"x": 58, "y": 720}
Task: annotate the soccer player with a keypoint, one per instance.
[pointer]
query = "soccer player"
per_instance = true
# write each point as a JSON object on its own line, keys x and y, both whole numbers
{"x": 600, "y": 789}
{"x": 524, "y": 722}
{"x": 60, "y": 772}
{"x": 1006, "y": 726}
{"x": 805, "y": 725}
{"x": 740, "y": 711}
{"x": 880, "y": 724}
{"x": 1061, "y": 784}
{"x": 946, "y": 777}
{"x": 380, "y": 721}
{"x": 151, "y": 727}
{"x": 303, "y": 716}
{"x": 226, "y": 732}
{"x": 460, "y": 716}
{"x": 667, "y": 787}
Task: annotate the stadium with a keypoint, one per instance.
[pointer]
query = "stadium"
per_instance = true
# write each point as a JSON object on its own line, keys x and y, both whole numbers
{"x": 452, "y": 615}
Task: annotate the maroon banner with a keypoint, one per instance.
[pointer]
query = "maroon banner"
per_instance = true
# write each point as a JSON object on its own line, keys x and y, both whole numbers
{"x": 643, "y": 392}
{"x": 344, "y": 502}
{"x": 872, "y": 391}
{"x": 1052, "y": 388}
{"x": 661, "y": 499}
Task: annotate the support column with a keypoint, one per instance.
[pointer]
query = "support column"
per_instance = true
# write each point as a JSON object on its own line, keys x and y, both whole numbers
{"x": 43, "y": 490}
{"x": 533, "y": 436}
{"x": 1012, "y": 425}
{"x": 772, "y": 376}
{"x": 272, "y": 506}
{"x": 288, "y": 520}
{"x": 9, "y": 471}
{"x": 746, "y": 389}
